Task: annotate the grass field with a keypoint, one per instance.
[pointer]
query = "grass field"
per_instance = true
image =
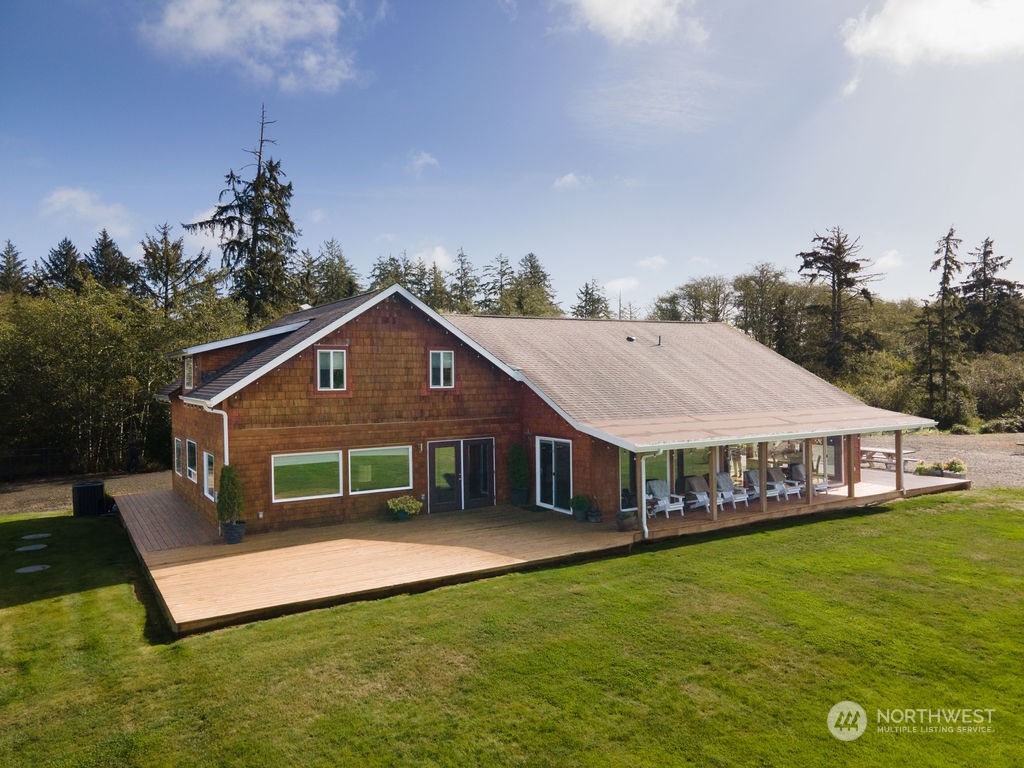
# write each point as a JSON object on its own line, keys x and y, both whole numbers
{"x": 727, "y": 651}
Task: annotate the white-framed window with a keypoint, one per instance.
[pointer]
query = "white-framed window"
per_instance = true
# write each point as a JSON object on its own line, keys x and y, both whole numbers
{"x": 330, "y": 369}
{"x": 208, "y": 476}
{"x": 191, "y": 460}
{"x": 190, "y": 373}
{"x": 295, "y": 476}
{"x": 177, "y": 456}
{"x": 442, "y": 369}
{"x": 380, "y": 469}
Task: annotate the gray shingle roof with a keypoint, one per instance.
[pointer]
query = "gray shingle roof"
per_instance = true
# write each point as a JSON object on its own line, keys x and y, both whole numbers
{"x": 675, "y": 383}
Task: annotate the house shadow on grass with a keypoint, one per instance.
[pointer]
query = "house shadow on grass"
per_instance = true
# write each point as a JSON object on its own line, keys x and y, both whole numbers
{"x": 765, "y": 526}
{"x": 81, "y": 554}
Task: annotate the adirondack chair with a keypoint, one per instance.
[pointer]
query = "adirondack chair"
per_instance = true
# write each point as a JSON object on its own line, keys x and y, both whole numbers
{"x": 664, "y": 500}
{"x": 752, "y": 479}
{"x": 789, "y": 487}
{"x": 729, "y": 490}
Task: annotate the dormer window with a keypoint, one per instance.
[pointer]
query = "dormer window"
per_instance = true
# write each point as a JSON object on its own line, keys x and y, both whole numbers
{"x": 190, "y": 373}
{"x": 331, "y": 367}
{"x": 442, "y": 369}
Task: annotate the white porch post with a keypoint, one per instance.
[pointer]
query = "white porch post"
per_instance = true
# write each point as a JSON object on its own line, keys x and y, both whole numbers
{"x": 848, "y": 459}
{"x": 899, "y": 461}
{"x": 713, "y": 481}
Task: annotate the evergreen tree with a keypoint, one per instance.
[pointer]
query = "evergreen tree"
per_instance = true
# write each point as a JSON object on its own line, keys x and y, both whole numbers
{"x": 943, "y": 351}
{"x": 992, "y": 305}
{"x": 62, "y": 268}
{"x": 13, "y": 272}
{"x": 532, "y": 291}
{"x": 591, "y": 302}
{"x": 463, "y": 285}
{"x": 302, "y": 275}
{"x": 496, "y": 288}
{"x": 257, "y": 233}
{"x": 111, "y": 268}
{"x": 388, "y": 270}
{"x": 436, "y": 295}
{"x": 834, "y": 262}
{"x": 336, "y": 279}
{"x": 172, "y": 281}
{"x": 757, "y": 299}
{"x": 668, "y": 307}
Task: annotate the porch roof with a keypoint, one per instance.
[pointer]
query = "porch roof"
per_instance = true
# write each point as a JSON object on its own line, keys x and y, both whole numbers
{"x": 655, "y": 385}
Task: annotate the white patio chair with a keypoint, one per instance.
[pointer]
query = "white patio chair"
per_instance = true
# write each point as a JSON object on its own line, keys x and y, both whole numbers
{"x": 665, "y": 501}
{"x": 752, "y": 479}
{"x": 729, "y": 491}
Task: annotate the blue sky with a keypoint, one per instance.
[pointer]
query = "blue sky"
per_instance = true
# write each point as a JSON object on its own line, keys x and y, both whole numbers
{"x": 640, "y": 143}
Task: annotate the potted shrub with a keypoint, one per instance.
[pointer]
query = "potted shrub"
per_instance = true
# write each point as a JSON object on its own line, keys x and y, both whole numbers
{"x": 404, "y": 507}
{"x": 580, "y": 506}
{"x": 230, "y": 505}
{"x": 518, "y": 474}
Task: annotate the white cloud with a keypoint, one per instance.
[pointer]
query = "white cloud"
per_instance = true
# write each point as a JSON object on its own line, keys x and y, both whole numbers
{"x": 908, "y": 31}
{"x": 419, "y": 161}
{"x": 510, "y": 8}
{"x": 570, "y": 180}
{"x": 889, "y": 260}
{"x": 292, "y": 42}
{"x": 641, "y": 108}
{"x": 436, "y": 254}
{"x": 621, "y": 285}
{"x": 652, "y": 263}
{"x": 317, "y": 215}
{"x": 194, "y": 241}
{"x": 86, "y": 206}
{"x": 638, "y": 21}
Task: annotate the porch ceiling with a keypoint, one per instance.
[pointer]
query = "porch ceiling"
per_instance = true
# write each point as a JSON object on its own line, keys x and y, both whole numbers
{"x": 698, "y": 430}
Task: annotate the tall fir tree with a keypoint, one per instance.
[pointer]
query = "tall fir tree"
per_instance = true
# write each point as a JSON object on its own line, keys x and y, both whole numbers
{"x": 171, "y": 280}
{"x": 496, "y": 287}
{"x": 993, "y": 307}
{"x": 463, "y": 285}
{"x": 109, "y": 266}
{"x": 336, "y": 278}
{"x": 591, "y": 302}
{"x": 532, "y": 291}
{"x": 834, "y": 261}
{"x": 62, "y": 268}
{"x": 256, "y": 231}
{"x": 14, "y": 278}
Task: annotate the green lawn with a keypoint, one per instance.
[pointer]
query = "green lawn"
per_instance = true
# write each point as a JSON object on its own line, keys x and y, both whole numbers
{"x": 726, "y": 651}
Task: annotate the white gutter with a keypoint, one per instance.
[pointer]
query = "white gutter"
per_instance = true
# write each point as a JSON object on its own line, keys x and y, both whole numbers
{"x": 224, "y": 416}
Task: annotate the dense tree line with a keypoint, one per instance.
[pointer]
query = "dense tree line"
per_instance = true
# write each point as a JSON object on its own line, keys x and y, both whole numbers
{"x": 83, "y": 336}
{"x": 957, "y": 357}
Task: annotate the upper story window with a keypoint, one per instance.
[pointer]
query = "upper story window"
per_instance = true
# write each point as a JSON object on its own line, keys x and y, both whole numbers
{"x": 190, "y": 373}
{"x": 331, "y": 365}
{"x": 442, "y": 369}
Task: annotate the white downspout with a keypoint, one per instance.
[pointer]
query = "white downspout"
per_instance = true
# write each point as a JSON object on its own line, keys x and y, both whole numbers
{"x": 224, "y": 418}
{"x": 641, "y": 492}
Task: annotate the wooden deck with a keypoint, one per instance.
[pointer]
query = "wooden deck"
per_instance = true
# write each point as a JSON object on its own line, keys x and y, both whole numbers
{"x": 202, "y": 583}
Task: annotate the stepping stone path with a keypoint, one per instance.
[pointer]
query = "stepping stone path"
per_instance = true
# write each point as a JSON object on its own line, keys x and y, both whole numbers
{"x": 32, "y": 548}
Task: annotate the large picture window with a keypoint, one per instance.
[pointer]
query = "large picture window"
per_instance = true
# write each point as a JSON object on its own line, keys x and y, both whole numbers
{"x": 191, "y": 460}
{"x": 380, "y": 469}
{"x": 306, "y": 475}
{"x": 208, "y": 475}
{"x": 442, "y": 369}
{"x": 331, "y": 366}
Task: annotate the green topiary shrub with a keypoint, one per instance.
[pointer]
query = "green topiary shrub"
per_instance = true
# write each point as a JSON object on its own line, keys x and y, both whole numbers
{"x": 230, "y": 503}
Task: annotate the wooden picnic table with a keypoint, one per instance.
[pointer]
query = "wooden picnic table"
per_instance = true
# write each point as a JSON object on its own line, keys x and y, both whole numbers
{"x": 884, "y": 458}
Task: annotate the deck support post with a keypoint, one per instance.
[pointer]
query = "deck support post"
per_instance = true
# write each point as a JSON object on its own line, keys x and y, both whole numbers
{"x": 641, "y": 493}
{"x": 809, "y": 471}
{"x": 762, "y": 473}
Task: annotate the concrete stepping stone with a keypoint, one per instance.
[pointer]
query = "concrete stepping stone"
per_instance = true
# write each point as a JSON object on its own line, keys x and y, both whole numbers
{"x": 31, "y": 569}
{"x": 31, "y": 548}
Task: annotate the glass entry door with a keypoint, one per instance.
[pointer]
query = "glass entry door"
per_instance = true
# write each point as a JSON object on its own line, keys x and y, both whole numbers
{"x": 461, "y": 474}
{"x": 554, "y": 473}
